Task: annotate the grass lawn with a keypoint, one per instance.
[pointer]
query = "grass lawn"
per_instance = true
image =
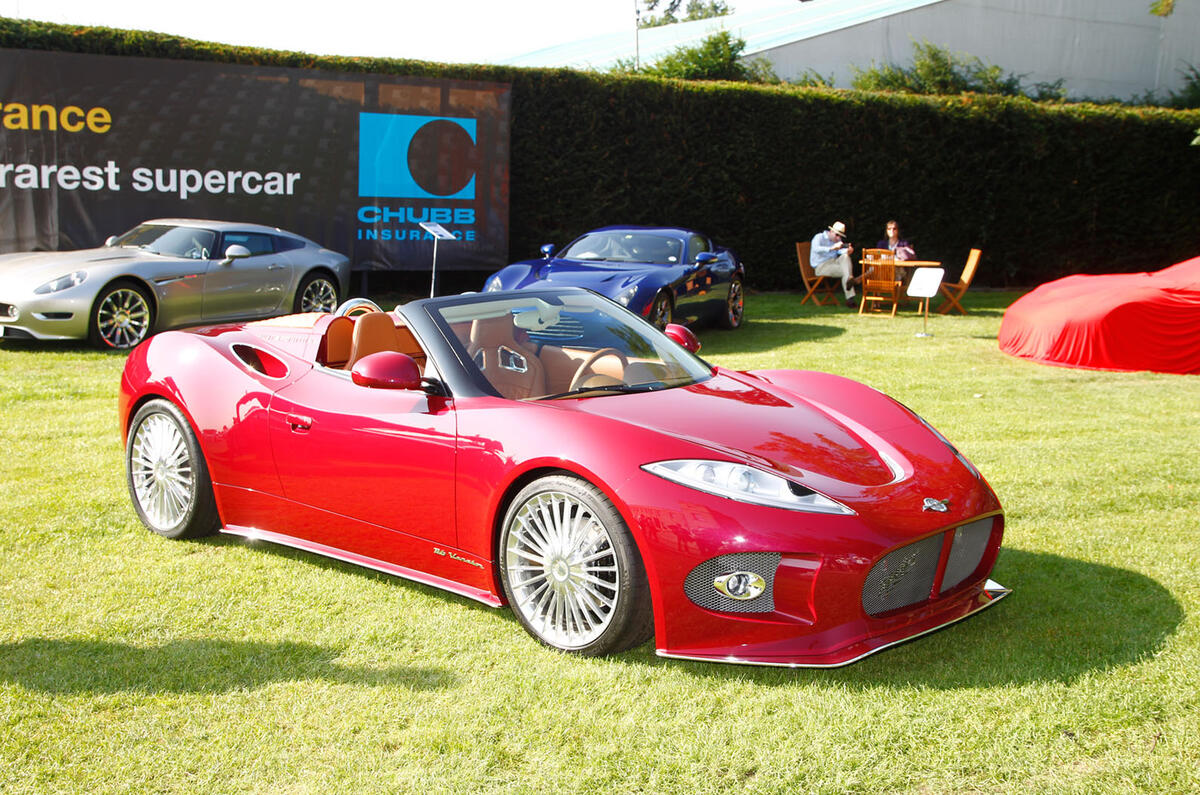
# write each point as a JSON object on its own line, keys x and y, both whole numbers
{"x": 133, "y": 663}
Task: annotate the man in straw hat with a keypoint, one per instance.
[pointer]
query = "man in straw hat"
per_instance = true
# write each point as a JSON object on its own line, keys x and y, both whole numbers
{"x": 831, "y": 257}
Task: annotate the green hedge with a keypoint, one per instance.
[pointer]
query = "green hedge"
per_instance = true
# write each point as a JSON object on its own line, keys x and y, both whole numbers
{"x": 1044, "y": 189}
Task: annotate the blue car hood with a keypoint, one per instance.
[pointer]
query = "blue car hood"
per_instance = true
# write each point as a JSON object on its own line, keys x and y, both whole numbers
{"x": 606, "y": 278}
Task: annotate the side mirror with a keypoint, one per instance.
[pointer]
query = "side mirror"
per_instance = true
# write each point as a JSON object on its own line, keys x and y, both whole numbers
{"x": 236, "y": 251}
{"x": 682, "y": 336}
{"x": 111, "y": 239}
{"x": 386, "y": 370}
{"x": 705, "y": 257}
{"x": 547, "y": 251}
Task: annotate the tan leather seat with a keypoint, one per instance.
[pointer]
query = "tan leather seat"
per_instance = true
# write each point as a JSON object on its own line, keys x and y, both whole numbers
{"x": 507, "y": 358}
{"x": 373, "y": 332}
{"x": 335, "y": 347}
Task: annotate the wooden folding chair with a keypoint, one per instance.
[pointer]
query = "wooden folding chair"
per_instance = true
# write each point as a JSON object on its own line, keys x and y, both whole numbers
{"x": 821, "y": 289}
{"x": 879, "y": 282}
{"x": 956, "y": 290}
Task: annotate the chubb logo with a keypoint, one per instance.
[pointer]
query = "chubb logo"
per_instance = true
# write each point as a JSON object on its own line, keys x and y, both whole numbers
{"x": 416, "y": 157}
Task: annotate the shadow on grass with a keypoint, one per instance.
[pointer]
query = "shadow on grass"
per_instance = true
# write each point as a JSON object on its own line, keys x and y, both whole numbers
{"x": 764, "y": 335}
{"x": 57, "y": 346}
{"x": 1065, "y": 618}
{"x": 333, "y": 564}
{"x": 79, "y": 665}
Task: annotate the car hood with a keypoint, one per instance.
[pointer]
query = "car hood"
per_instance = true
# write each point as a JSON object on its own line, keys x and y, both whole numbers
{"x": 602, "y": 277}
{"x": 777, "y": 428}
{"x": 38, "y": 267}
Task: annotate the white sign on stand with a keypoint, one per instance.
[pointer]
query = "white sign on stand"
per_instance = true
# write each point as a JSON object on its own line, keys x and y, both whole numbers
{"x": 439, "y": 232}
{"x": 924, "y": 285}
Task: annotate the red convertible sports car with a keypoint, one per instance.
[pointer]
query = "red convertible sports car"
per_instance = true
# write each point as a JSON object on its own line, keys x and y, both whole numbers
{"x": 551, "y": 451}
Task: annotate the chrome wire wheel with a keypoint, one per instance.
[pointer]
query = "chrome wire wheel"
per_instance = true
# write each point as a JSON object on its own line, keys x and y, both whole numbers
{"x": 167, "y": 477}
{"x": 160, "y": 469}
{"x": 122, "y": 317}
{"x": 318, "y": 294}
{"x": 562, "y": 569}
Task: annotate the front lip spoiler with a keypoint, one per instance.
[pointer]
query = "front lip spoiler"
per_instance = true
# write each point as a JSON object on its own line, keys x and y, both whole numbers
{"x": 990, "y": 593}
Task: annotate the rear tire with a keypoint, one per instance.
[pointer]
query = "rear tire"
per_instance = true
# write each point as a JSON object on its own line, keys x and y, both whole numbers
{"x": 731, "y": 318}
{"x": 571, "y": 571}
{"x": 167, "y": 477}
{"x": 317, "y": 292}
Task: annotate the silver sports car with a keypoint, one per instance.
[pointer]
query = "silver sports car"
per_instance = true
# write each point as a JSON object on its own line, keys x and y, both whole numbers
{"x": 164, "y": 274}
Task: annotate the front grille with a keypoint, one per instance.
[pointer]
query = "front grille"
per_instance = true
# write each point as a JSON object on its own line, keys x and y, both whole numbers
{"x": 699, "y": 583}
{"x": 906, "y": 576}
{"x": 970, "y": 542}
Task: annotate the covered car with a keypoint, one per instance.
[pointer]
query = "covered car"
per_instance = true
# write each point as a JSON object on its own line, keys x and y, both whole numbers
{"x": 550, "y": 451}
{"x": 1115, "y": 321}
{"x": 664, "y": 274}
{"x": 163, "y": 274}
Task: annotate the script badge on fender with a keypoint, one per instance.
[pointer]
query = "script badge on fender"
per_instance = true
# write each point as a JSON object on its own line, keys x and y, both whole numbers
{"x": 930, "y": 504}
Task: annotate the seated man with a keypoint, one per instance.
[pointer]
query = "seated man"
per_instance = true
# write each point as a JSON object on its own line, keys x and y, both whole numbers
{"x": 830, "y": 256}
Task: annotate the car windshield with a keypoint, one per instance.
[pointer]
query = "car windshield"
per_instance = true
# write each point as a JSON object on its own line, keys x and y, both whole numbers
{"x": 170, "y": 241}
{"x": 545, "y": 346}
{"x": 626, "y": 246}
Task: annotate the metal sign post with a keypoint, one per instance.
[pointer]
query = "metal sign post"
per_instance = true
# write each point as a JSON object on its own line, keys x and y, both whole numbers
{"x": 924, "y": 285}
{"x": 439, "y": 232}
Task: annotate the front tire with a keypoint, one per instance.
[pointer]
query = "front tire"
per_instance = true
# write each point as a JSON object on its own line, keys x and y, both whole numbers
{"x": 661, "y": 310}
{"x": 317, "y": 293}
{"x": 571, "y": 571}
{"x": 121, "y": 317}
{"x": 167, "y": 477}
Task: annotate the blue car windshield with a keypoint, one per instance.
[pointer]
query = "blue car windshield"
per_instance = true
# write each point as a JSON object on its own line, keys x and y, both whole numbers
{"x": 170, "y": 241}
{"x": 541, "y": 347}
{"x": 626, "y": 246}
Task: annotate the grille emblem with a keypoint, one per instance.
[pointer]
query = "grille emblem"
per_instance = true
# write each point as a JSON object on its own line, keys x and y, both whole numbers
{"x": 930, "y": 504}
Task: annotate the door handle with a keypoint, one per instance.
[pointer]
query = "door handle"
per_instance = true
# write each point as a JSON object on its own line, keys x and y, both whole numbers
{"x": 274, "y": 267}
{"x": 298, "y": 423}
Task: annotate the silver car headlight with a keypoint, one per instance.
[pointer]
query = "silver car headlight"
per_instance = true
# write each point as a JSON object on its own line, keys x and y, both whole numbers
{"x": 627, "y": 295}
{"x": 494, "y": 285}
{"x": 745, "y": 484}
{"x": 62, "y": 283}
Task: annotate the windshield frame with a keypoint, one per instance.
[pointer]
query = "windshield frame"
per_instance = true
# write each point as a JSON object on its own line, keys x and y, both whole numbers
{"x": 636, "y": 338}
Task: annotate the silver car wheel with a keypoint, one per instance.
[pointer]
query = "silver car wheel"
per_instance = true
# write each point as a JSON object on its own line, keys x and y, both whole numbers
{"x": 161, "y": 472}
{"x": 123, "y": 318}
{"x": 562, "y": 570}
{"x": 319, "y": 296}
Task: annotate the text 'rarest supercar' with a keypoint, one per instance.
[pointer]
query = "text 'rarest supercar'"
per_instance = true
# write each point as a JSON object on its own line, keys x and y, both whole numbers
{"x": 551, "y": 451}
{"x": 165, "y": 274}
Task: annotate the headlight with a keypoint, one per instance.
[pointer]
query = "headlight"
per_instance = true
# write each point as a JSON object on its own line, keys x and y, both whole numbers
{"x": 493, "y": 285}
{"x": 745, "y": 484}
{"x": 62, "y": 283}
{"x": 626, "y": 295}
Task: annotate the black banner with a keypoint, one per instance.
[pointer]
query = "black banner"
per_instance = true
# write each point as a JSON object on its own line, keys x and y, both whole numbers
{"x": 92, "y": 145}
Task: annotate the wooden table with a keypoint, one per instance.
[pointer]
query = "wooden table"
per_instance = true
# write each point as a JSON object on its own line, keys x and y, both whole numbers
{"x": 905, "y": 267}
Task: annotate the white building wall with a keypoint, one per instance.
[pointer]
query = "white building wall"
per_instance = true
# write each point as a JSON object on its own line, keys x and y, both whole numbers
{"x": 1099, "y": 48}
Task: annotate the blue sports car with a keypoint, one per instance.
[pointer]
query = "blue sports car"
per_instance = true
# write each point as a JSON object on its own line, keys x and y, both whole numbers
{"x": 665, "y": 274}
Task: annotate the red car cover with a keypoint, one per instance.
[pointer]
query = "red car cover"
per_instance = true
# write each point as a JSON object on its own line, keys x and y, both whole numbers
{"x": 1122, "y": 321}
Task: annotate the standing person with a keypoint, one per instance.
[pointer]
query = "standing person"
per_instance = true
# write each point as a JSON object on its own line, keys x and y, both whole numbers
{"x": 898, "y": 245}
{"x": 830, "y": 256}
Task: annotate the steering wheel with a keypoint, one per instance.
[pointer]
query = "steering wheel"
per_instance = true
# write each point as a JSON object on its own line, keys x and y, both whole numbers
{"x": 356, "y": 306}
{"x": 577, "y": 380}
